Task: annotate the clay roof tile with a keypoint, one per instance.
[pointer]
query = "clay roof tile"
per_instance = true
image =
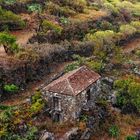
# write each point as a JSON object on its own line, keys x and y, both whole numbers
{"x": 73, "y": 82}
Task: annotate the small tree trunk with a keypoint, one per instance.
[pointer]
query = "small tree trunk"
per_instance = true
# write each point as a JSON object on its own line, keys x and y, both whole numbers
{"x": 6, "y": 49}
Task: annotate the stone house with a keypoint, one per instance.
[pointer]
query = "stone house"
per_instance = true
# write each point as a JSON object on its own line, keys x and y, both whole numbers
{"x": 67, "y": 94}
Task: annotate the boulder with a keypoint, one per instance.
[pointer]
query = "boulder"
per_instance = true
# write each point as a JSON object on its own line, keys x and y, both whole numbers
{"x": 47, "y": 136}
{"x": 73, "y": 134}
{"x": 86, "y": 135}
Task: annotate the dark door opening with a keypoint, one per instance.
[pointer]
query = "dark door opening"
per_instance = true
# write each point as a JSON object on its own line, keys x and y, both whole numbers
{"x": 88, "y": 95}
{"x": 57, "y": 117}
{"x": 56, "y": 103}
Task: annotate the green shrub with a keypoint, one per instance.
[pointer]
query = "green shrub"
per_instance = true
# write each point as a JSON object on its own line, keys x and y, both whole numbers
{"x": 114, "y": 131}
{"x": 4, "y": 107}
{"x": 71, "y": 66}
{"x": 49, "y": 25}
{"x": 37, "y": 102}
{"x": 138, "y": 53}
{"x": 131, "y": 137}
{"x": 136, "y": 25}
{"x": 34, "y": 7}
{"x": 10, "y": 17}
{"x": 111, "y": 8}
{"x": 127, "y": 30}
{"x": 11, "y": 88}
{"x": 8, "y": 2}
{"x": 104, "y": 42}
{"x": 128, "y": 92}
{"x": 36, "y": 96}
{"x": 9, "y": 43}
{"x": 97, "y": 66}
{"x": 37, "y": 106}
{"x": 64, "y": 21}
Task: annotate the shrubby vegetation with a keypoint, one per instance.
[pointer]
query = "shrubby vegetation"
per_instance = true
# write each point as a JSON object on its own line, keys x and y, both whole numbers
{"x": 11, "y": 88}
{"x": 114, "y": 131}
{"x": 34, "y": 8}
{"x": 55, "y": 21}
{"x": 128, "y": 92}
{"x": 58, "y": 10}
{"x": 9, "y": 43}
{"x": 9, "y": 17}
{"x": 49, "y": 25}
{"x": 16, "y": 122}
{"x": 9, "y": 2}
{"x": 104, "y": 43}
{"x": 117, "y": 6}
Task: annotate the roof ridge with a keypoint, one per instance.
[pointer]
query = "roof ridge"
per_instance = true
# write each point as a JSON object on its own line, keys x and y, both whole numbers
{"x": 70, "y": 85}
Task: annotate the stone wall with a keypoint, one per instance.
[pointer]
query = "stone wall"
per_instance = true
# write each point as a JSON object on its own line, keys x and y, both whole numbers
{"x": 67, "y": 104}
{"x": 81, "y": 99}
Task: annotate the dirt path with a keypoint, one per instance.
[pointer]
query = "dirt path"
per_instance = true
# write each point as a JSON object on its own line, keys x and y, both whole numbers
{"x": 23, "y": 36}
{"x": 21, "y": 97}
{"x": 2, "y": 52}
{"x": 132, "y": 45}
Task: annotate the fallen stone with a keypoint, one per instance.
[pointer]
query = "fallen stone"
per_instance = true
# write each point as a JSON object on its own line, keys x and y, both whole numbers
{"x": 47, "y": 136}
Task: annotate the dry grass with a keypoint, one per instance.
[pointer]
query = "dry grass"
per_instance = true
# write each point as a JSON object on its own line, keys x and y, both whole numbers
{"x": 89, "y": 14}
{"x": 127, "y": 124}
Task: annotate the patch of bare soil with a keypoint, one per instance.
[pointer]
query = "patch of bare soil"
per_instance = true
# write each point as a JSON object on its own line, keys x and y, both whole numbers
{"x": 23, "y": 36}
{"x": 132, "y": 45}
{"x": 2, "y": 52}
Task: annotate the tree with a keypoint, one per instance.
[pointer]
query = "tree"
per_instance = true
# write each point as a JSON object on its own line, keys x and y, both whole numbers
{"x": 9, "y": 43}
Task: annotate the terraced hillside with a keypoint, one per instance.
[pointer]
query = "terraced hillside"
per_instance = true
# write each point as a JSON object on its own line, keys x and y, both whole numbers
{"x": 40, "y": 40}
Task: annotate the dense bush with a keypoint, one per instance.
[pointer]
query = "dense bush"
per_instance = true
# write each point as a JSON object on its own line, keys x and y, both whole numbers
{"x": 28, "y": 55}
{"x": 104, "y": 43}
{"x": 11, "y": 88}
{"x": 116, "y": 6}
{"x": 57, "y": 10}
{"x": 131, "y": 137}
{"x": 34, "y": 7}
{"x": 76, "y": 5}
{"x": 37, "y": 103}
{"x": 128, "y": 92}
{"x": 7, "y": 17}
{"x": 49, "y": 25}
{"x": 8, "y": 2}
{"x": 71, "y": 67}
{"x": 95, "y": 65}
{"x": 127, "y": 30}
{"x": 114, "y": 131}
{"x": 136, "y": 25}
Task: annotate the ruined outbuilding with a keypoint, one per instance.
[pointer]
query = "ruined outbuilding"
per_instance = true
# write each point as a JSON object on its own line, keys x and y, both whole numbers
{"x": 68, "y": 94}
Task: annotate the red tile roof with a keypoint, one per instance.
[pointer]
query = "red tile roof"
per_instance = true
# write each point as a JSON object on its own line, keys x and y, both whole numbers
{"x": 73, "y": 82}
